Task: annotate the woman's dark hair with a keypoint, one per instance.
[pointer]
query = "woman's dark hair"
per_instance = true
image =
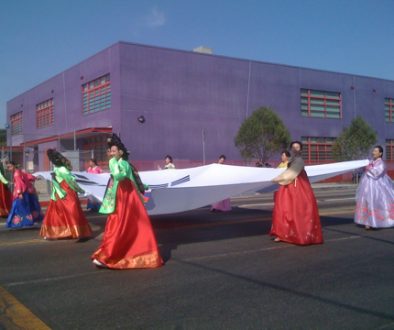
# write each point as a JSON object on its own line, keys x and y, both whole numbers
{"x": 287, "y": 153}
{"x": 13, "y": 163}
{"x": 380, "y": 149}
{"x": 58, "y": 159}
{"x": 93, "y": 160}
{"x": 222, "y": 156}
{"x": 259, "y": 164}
{"x": 169, "y": 157}
{"x": 115, "y": 140}
{"x": 294, "y": 142}
{"x": 137, "y": 179}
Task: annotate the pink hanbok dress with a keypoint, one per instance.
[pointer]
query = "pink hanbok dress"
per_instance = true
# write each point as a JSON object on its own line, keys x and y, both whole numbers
{"x": 222, "y": 206}
{"x": 93, "y": 204}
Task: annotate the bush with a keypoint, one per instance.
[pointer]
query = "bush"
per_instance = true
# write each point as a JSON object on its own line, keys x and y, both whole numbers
{"x": 261, "y": 135}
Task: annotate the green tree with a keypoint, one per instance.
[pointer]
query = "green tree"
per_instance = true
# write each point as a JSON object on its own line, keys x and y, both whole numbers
{"x": 261, "y": 135}
{"x": 355, "y": 141}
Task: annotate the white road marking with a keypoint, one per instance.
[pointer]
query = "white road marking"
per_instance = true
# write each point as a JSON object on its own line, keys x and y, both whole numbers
{"x": 52, "y": 279}
{"x": 336, "y": 199}
{"x": 321, "y": 199}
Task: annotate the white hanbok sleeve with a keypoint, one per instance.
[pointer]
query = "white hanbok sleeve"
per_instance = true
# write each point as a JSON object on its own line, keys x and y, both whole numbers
{"x": 375, "y": 169}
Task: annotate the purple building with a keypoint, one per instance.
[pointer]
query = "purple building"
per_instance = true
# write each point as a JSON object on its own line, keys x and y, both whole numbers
{"x": 189, "y": 105}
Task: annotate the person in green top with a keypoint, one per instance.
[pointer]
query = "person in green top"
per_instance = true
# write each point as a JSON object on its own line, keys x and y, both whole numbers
{"x": 128, "y": 241}
{"x": 120, "y": 169}
{"x": 64, "y": 217}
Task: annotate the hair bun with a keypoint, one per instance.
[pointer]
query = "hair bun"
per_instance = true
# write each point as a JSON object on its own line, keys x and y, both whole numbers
{"x": 115, "y": 140}
{"x": 58, "y": 159}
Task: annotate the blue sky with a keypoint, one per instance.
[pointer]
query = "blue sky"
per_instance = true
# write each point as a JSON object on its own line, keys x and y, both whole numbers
{"x": 41, "y": 38}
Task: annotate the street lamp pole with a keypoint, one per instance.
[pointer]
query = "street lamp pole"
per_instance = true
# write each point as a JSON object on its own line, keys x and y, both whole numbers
{"x": 203, "y": 145}
{"x": 8, "y": 138}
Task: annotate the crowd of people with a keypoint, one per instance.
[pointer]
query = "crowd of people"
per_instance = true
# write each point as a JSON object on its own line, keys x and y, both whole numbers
{"x": 129, "y": 241}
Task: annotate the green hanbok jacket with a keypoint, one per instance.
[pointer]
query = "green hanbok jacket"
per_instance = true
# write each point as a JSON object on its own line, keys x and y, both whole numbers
{"x": 60, "y": 174}
{"x": 120, "y": 170}
{"x": 3, "y": 179}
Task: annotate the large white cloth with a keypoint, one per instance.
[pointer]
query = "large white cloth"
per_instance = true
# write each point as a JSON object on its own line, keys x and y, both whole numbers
{"x": 179, "y": 190}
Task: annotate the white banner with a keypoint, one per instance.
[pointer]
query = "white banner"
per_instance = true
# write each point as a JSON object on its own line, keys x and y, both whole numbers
{"x": 179, "y": 190}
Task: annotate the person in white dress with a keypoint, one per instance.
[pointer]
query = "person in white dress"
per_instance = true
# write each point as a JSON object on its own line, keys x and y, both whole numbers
{"x": 375, "y": 195}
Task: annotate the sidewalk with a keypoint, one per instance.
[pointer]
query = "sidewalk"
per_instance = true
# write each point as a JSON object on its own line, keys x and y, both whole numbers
{"x": 324, "y": 185}
{"x": 43, "y": 189}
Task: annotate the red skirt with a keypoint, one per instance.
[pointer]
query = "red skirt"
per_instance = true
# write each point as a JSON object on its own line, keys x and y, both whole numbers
{"x": 295, "y": 216}
{"x": 64, "y": 217}
{"x": 128, "y": 241}
{"x": 5, "y": 200}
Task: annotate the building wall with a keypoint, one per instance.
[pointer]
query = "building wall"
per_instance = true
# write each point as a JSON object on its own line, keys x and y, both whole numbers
{"x": 193, "y": 103}
{"x": 188, "y": 99}
{"x": 65, "y": 89}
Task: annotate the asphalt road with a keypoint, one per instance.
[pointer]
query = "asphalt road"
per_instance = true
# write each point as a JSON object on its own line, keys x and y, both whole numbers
{"x": 222, "y": 271}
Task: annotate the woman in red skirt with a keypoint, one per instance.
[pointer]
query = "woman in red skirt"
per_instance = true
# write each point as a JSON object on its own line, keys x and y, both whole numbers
{"x": 64, "y": 217}
{"x": 129, "y": 241}
{"x": 5, "y": 195}
{"x": 295, "y": 216}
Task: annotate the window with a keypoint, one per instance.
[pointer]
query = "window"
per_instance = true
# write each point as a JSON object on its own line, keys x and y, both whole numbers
{"x": 389, "y": 109}
{"x": 16, "y": 123}
{"x": 317, "y": 149}
{"x": 44, "y": 113}
{"x": 96, "y": 95}
{"x": 321, "y": 104}
{"x": 390, "y": 149}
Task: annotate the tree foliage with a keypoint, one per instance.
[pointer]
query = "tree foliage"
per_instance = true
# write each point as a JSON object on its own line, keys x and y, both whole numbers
{"x": 261, "y": 135}
{"x": 355, "y": 141}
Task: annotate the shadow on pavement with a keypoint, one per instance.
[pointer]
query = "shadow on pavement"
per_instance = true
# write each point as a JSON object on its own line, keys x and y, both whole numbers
{"x": 294, "y": 292}
{"x": 201, "y": 225}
